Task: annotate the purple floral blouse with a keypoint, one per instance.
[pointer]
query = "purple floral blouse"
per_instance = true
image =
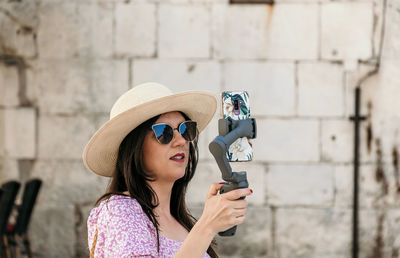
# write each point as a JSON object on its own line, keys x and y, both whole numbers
{"x": 124, "y": 230}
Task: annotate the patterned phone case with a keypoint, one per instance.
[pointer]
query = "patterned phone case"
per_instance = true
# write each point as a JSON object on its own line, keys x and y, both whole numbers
{"x": 235, "y": 104}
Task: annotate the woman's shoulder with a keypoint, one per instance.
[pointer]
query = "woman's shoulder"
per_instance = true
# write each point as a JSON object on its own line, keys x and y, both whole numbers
{"x": 117, "y": 206}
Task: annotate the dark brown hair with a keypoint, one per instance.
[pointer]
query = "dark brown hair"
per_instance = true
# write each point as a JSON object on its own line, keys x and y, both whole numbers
{"x": 130, "y": 176}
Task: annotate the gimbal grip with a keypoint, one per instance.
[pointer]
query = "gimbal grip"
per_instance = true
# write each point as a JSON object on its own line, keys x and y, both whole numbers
{"x": 227, "y": 187}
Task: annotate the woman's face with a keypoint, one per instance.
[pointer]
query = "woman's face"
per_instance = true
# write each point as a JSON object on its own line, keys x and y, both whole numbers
{"x": 163, "y": 161}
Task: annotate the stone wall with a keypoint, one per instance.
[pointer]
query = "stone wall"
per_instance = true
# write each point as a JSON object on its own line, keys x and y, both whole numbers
{"x": 64, "y": 63}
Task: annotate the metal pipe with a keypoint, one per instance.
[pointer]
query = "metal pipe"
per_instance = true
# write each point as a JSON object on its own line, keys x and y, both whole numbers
{"x": 357, "y": 119}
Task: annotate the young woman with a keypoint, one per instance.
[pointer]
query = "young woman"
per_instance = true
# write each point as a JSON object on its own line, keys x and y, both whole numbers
{"x": 149, "y": 149}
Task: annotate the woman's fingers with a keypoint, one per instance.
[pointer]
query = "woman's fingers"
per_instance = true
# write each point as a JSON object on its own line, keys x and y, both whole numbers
{"x": 236, "y": 194}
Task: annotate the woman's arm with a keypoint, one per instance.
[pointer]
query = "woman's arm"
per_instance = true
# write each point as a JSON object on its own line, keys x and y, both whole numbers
{"x": 220, "y": 213}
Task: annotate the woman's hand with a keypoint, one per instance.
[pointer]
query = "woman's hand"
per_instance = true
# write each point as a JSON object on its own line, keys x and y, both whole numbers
{"x": 223, "y": 211}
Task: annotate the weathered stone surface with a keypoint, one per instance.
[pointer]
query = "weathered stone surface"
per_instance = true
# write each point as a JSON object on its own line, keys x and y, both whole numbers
{"x": 61, "y": 185}
{"x": 96, "y": 29}
{"x": 9, "y": 85}
{"x": 63, "y": 137}
{"x": 302, "y": 232}
{"x": 52, "y": 231}
{"x": 77, "y": 85}
{"x": 350, "y": 38}
{"x": 271, "y": 85}
{"x": 337, "y": 140}
{"x": 379, "y": 103}
{"x": 184, "y": 31}
{"x": 18, "y": 132}
{"x": 391, "y": 41}
{"x": 135, "y": 29}
{"x": 58, "y": 33}
{"x": 179, "y": 75}
{"x": 311, "y": 185}
{"x": 252, "y": 238}
{"x": 71, "y": 29}
{"x": 256, "y": 31}
{"x": 8, "y": 169}
{"x": 18, "y": 26}
{"x": 287, "y": 140}
{"x": 321, "y": 90}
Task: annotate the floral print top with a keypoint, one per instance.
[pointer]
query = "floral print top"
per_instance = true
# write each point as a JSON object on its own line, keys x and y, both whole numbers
{"x": 124, "y": 230}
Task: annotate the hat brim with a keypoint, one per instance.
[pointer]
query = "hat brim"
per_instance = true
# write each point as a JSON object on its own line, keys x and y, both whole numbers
{"x": 100, "y": 153}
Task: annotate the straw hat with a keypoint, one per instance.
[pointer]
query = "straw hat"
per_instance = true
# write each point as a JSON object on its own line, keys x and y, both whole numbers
{"x": 135, "y": 107}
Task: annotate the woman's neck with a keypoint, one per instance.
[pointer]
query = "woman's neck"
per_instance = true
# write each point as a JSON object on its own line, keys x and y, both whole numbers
{"x": 163, "y": 191}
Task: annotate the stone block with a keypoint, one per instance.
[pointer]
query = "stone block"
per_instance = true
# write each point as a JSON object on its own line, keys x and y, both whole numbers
{"x": 18, "y": 132}
{"x": 96, "y": 29}
{"x": 52, "y": 231}
{"x": 311, "y": 185}
{"x": 81, "y": 29}
{"x": 391, "y": 41}
{"x": 271, "y": 86}
{"x": 208, "y": 173}
{"x": 254, "y": 234}
{"x": 287, "y": 140}
{"x": 184, "y": 31}
{"x": 68, "y": 182}
{"x": 8, "y": 170}
{"x": 337, "y": 140}
{"x": 302, "y": 232}
{"x": 18, "y": 23}
{"x": 179, "y": 75}
{"x": 321, "y": 90}
{"x": 77, "y": 85}
{"x": 9, "y": 85}
{"x": 135, "y": 29}
{"x": 63, "y": 137}
{"x": 256, "y": 31}
{"x": 349, "y": 38}
{"x": 344, "y": 186}
{"x": 58, "y": 33}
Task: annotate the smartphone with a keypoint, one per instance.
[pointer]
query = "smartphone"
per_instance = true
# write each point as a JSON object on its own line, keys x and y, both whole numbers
{"x": 235, "y": 104}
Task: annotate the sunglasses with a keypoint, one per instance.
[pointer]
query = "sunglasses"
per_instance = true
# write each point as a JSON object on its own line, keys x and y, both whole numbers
{"x": 165, "y": 133}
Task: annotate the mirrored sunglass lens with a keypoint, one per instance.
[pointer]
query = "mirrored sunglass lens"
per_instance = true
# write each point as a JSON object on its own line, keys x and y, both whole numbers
{"x": 188, "y": 130}
{"x": 163, "y": 133}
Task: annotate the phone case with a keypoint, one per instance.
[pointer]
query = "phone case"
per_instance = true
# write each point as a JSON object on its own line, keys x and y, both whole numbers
{"x": 235, "y": 104}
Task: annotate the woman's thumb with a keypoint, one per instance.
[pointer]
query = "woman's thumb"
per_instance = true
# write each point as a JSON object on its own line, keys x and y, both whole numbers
{"x": 214, "y": 188}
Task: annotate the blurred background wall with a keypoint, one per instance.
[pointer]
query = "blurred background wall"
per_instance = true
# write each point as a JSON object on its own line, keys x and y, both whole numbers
{"x": 64, "y": 63}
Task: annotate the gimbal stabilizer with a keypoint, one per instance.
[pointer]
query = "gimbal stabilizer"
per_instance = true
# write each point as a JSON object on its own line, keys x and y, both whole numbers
{"x": 229, "y": 131}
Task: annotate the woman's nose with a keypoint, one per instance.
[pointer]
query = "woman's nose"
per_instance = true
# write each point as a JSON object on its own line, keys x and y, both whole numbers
{"x": 178, "y": 139}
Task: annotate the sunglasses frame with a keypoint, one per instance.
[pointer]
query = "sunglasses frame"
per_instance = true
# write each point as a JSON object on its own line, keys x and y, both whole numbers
{"x": 173, "y": 129}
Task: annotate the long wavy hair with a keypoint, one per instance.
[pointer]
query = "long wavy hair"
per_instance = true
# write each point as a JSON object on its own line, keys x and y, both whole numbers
{"x": 131, "y": 176}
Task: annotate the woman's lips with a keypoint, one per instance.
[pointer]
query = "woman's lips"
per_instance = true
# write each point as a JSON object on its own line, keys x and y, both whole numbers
{"x": 179, "y": 157}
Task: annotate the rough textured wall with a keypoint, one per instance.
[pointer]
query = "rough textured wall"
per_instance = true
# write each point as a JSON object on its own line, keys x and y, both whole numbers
{"x": 63, "y": 64}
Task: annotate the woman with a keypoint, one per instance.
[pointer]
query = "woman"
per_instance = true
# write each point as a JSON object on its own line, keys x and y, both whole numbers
{"x": 149, "y": 148}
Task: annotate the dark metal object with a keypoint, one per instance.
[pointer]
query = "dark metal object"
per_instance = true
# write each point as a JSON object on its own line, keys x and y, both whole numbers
{"x": 19, "y": 232}
{"x": 10, "y": 191}
{"x": 229, "y": 131}
{"x": 357, "y": 119}
{"x": 251, "y": 1}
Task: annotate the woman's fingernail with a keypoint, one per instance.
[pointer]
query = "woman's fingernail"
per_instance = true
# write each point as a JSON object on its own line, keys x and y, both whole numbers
{"x": 222, "y": 183}
{"x": 251, "y": 190}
